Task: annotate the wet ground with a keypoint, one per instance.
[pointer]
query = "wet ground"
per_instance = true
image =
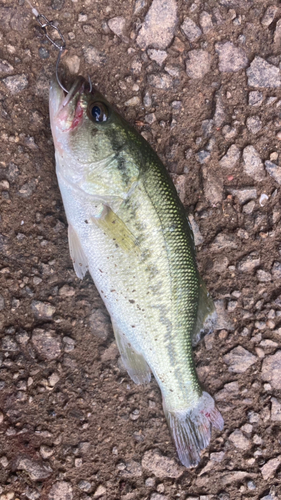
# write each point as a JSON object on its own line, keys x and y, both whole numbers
{"x": 202, "y": 82}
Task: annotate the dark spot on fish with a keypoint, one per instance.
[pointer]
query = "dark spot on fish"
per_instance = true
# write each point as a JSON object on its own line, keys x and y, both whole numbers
{"x": 100, "y": 271}
{"x": 86, "y": 222}
{"x": 133, "y": 326}
{"x": 113, "y": 290}
{"x": 131, "y": 301}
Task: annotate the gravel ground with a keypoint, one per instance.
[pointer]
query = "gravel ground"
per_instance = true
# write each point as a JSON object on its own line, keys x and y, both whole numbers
{"x": 202, "y": 82}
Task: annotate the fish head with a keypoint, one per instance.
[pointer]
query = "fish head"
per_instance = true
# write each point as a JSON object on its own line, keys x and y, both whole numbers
{"x": 84, "y": 125}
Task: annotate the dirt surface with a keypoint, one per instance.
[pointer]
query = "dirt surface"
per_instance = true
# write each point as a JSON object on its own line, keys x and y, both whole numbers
{"x": 72, "y": 423}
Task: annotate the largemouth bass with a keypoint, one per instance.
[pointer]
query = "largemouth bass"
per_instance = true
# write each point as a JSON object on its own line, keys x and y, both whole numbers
{"x": 127, "y": 226}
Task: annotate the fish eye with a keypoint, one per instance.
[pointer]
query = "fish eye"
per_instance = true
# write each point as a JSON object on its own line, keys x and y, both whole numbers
{"x": 98, "y": 112}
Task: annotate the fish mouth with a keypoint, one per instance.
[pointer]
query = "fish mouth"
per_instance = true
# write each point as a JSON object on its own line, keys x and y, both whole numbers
{"x": 67, "y": 108}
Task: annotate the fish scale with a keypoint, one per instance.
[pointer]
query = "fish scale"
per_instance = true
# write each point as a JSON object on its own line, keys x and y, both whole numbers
{"x": 128, "y": 227}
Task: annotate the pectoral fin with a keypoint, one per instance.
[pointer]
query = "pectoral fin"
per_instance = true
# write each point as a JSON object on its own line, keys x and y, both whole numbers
{"x": 79, "y": 259}
{"x": 134, "y": 362}
{"x": 115, "y": 229}
{"x": 206, "y": 314}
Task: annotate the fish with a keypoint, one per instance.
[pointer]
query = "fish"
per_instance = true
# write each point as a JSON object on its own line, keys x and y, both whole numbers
{"x": 128, "y": 228}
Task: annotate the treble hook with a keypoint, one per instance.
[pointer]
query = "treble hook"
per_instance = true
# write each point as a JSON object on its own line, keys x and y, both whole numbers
{"x": 61, "y": 47}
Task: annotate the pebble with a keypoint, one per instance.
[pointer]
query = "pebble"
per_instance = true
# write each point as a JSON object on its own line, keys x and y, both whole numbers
{"x": 158, "y": 56}
{"x": 5, "y": 66}
{"x": 233, "y": 476}
{"x": 117, "y": 25}
{"x": 132, "y": 469}
{"x": 43, "y": 310}
{"x": 46, "y": 344}
{"x": 160, "y": 81}
{"x": 213, "y": 187}
{"x": 270, "y": 467}
{"x": 43, "y": 53}
{"x": 100, "y": 324}
{"x": 158, "y": 496}
{"x": 206, "y": 22}
{"x": 159, "y": 25}
{"x": 198, "y": 63}
{"x": 231, "y": 58}
{"x": 269, "y": 15}
{"x": 263, "y": 74}
{"x": 277, "y": 33}
{"x": 231, "y": 157}
{"x": 84, "y": 486}
{"x": 191, "y": 30}
{"x": 239, "y": 360}
{"x": 249, "y": 207}
{"x": 66, "y": 291}
{"x": 222, "y": 321}
{"x": 255, "y": 98}
{"x": 160, "y": 465}
{"x": 57, "y": 4}
{"x": 220, "y": 114}
{"x": 134, "y": 101}
{"x": 253, "y": 165}
{"x": 244, "y": 194}
{"x": 61, "y": 490}
{"x": 249, "y": 262}
{"x": 73, "y": 64}
{"x": 101, "y": 490}
{"x": 46, "y": 451}
{"x": 203, "y": 156}
{"x": 139, "y": 6}
{"x": 276, "y": 270}
{"x": 275, "y": 410}
{"x": 273, "y": 170}
{"x": 271, "y": 369}
{"x": 94, "y": 56}
{"x": 239, "y": 440}
{"x": 34, "y": 469}
{"x": 16, "y": 83}
{"x": 263, "y": 199}
{"x": 223, "y": 241}
{"x": 254, "y": 124}
{"x": 263, "y": 276}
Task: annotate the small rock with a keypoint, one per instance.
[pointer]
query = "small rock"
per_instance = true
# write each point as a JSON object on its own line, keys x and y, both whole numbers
{"x": 159, "y": 25}
{"x": 263, "y": 74}
{"x": 191, "y": 30}
{"x": 276, "y": 270}
{"x": 254, "y": 124}
{"x": 43, "y": 310}
{"x": 57, "y": 4}
{"x": 231, "y": 58}
{"x": 253, "y": 165}
{"x": 160, "y": 81}
{"x": 2, "y": 303}
{"x": 61, "y": 490}
{"x": 66, "y": 291}
{"x": 9, "y": 344}
{"x": 213, "y": 187}
{"x": 273, "y": 170}
{"x": 249, "y": 207}
{"x": 110, "y": 353}
{"x": 249, "y": 262}
{"x": 100, "y": 324}
{"x": 239, "y": 440}
{"x": 263, "y": 276}
{"x": 84, "y": 486}
{"x": 117, "y": 25}
{"x": 233, "y": 476}
{"x": 220, "y": 114}
{"x": 222, "y": 321}
{"x": 223, "y": 241}
{"x": 271, "y": 369}
{"x": 160, "y": 465}
{"x": 35, "y": 470}
{"x": 46, "y": 343}
{"x": 198, "y": 63}
{"x": 132, "y": 469}
{"x": 270, "y": 467}
{"x": 255, "y": 98}
{"x": 243, "y": 194}
{"x": 16, "y": 83}
{"x": 263, "y": 199}
{"x": 46, "y": 451}
{"x": 134, "y": 101}
{"x": 277, "y": 33}
{"x": 94, "y": 56}
{"x": 73, "y": 64}
{"x": 5, "y": 66}
{"x": 203, "y": 156}
{"x": 101, "y": 490}
{"x": 269, "y": 15}
{"x": 139, "y": 6}
{"x": 158, "y": 496}
{"x": 157, "y": 55}
{"x": 206, "y": 22}
{"x": 231, "y": 157}
{"x": 198, "y": 238}
{"x": 275, "y": 410}
{"x": 239, "y": 360}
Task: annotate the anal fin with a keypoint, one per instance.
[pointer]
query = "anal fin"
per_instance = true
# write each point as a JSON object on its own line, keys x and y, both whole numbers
{"x": 78, "y": 257}
{"x": 206, "y": 314}
{"x": 134, "y": 362}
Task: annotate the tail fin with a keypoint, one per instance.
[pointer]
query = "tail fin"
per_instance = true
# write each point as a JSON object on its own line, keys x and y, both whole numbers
{"x": 191, "y": 428}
